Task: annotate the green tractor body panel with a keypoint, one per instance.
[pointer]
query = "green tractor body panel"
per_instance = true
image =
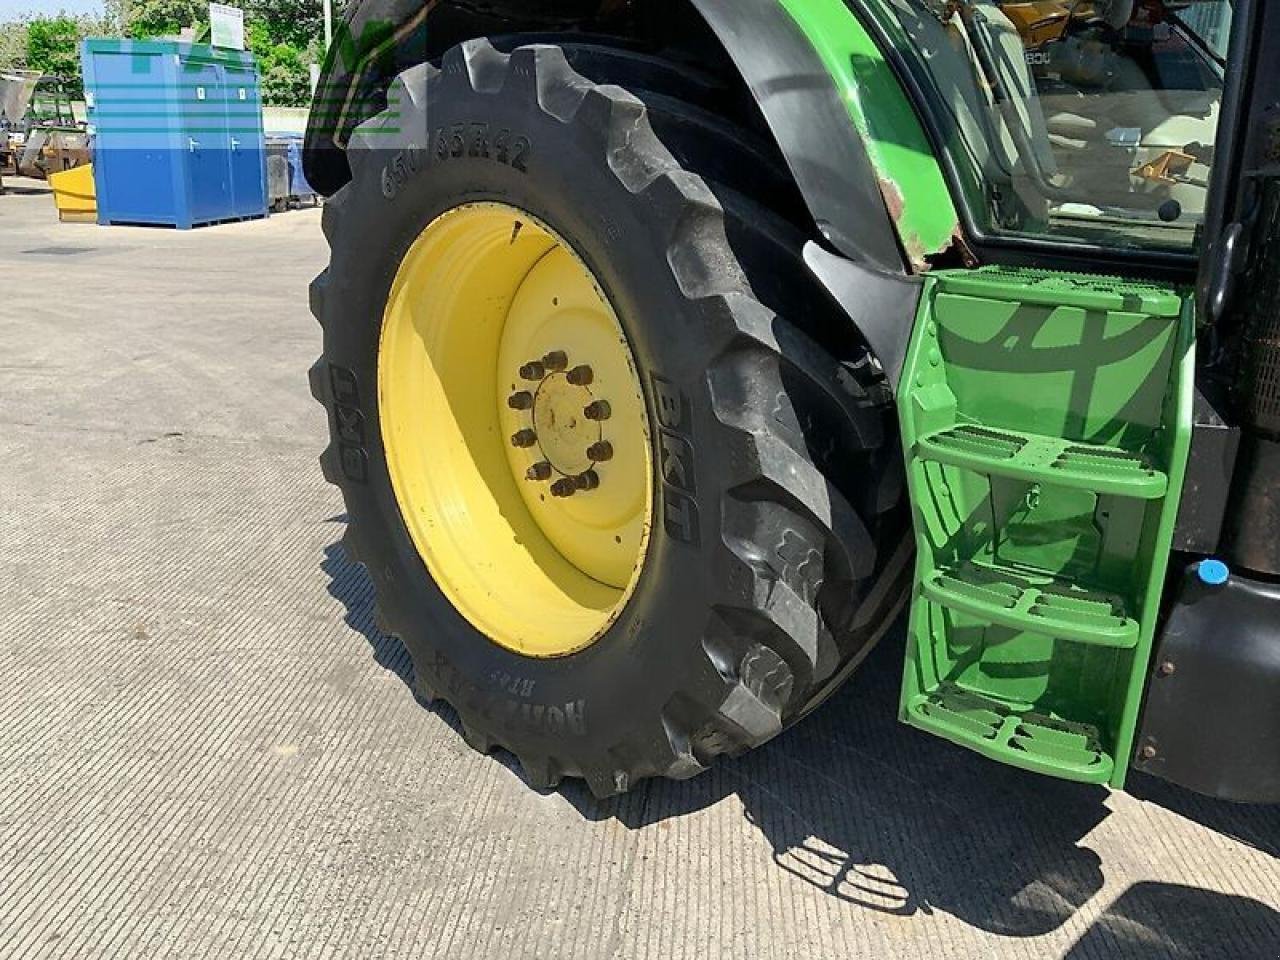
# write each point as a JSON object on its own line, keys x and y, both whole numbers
{"x": 1046, "y": 420}
{"x": 909, "y": 175}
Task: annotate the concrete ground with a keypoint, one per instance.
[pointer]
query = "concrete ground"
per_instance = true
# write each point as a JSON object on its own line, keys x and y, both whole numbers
{"x": 208, "y": 750}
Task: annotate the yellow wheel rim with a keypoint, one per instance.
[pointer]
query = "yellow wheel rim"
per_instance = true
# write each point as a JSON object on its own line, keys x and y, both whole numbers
{"x": 515, "y": 430}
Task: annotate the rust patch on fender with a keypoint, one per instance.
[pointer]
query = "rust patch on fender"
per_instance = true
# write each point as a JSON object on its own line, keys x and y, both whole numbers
{"x": 892, "y": 198}
{"x": 954, "y": 252}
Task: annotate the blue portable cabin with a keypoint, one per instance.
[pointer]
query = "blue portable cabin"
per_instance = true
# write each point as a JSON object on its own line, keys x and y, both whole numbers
{"x": 178, "y": 130}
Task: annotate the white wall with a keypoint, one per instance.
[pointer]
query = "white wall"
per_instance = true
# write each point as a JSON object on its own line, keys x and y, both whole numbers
{"x": 284, "y": 119}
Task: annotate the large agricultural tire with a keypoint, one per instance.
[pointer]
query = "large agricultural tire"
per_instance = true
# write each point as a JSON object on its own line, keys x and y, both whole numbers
{"x": 770, "y": 558}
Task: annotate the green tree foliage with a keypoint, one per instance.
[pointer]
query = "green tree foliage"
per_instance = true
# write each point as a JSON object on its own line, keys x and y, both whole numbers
{"x": 13, "y": 44}
{"x": 52, "y": 45}
{"x": 285, "y": 36}
{"x": 298, "y": 23}
{"x": 161, "y": 18}
{"x": 282, "y": 67}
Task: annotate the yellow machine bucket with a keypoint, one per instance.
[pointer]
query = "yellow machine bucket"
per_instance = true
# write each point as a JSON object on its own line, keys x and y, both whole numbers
{"x": 74, "y": 194}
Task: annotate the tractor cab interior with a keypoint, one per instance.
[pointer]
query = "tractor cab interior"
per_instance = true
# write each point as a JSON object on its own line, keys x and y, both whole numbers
{"x": 1089, "y": 120}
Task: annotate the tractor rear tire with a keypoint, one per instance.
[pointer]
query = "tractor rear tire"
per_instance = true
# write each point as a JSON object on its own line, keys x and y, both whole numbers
{"x": 773, "y": 554}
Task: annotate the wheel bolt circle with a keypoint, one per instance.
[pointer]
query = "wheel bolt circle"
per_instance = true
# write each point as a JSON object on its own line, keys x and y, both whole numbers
{"x": 556, "y": 360}
{"x": 523, "y": 400}
{"x": 524, "y": 438}
{"x": 597, "y": 410}
{"x": 533, "y": 370}
{"x": 539, "y": 471}
{"x": 580, "y": 376}
{"x": 600, "y": 452}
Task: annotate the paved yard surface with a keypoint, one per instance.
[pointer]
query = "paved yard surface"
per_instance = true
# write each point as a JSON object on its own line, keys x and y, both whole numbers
{"x": 208, "y": 750}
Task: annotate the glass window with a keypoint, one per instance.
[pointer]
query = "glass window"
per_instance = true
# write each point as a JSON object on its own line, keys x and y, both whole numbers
{"x": 1090, "y": 120}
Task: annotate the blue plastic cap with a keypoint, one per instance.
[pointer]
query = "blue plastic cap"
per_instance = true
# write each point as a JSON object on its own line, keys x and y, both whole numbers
{"x": 1213, "y": 572}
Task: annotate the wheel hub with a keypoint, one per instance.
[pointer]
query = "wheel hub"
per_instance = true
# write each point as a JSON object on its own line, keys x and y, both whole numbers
{"x": 526, "y": 483}
{"x": 568, "y": 429}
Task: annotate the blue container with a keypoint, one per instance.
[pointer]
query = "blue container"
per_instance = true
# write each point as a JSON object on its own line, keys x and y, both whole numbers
{"x": 179, "y": 132}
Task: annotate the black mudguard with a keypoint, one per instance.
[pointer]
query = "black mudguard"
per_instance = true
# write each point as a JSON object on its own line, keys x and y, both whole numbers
{"x": 802, "y": 106}
{"x": 794, "y": 91}
{"x": 1211, "y": 721}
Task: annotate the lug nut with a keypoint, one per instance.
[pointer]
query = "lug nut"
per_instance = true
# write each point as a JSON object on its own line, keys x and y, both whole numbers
{"x": 556, "y": 360}
{"x": 580, "y": 376}
{"x": 600, "y": 452}
{"x": 568, "y": 486}
{"x": 520, "y": 401}
{"x": 539, "y": 471}
{"x": 533, "y": 370}
{"x": 524, "y": 438}
{"x": 597, "y": 410}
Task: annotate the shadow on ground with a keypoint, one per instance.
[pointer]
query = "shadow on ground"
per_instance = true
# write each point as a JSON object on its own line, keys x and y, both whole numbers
{"x": 893, "y": 821}
{"x": 351, "y": 586}
{"x": 30, "y": 188}
{"x": 1173, "y": 922}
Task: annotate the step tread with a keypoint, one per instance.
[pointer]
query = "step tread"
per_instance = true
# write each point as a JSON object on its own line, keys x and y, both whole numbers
{"x": 1047, "y": 287}
{"x": 1013, "y": 734}
{"x": 1047, "y": 605}
{"x": 1054, "y": 460}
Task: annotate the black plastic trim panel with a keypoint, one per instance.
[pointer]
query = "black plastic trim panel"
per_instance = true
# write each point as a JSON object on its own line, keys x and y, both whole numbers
{"x": 882, "y": 306}
{"x": 811, "y": 124}
{"x": 1211, "y": 721}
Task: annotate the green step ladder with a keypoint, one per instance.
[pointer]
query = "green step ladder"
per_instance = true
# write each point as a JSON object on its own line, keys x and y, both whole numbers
{"x": 1046, "y": 419}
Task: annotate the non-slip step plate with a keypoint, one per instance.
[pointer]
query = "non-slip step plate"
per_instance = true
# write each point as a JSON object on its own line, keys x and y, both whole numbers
{"x": 1023, "y": 738}
{"x": 1052, "y": 460}
{"x": 1053, "y": 289}
{"x": 1051, "y": 607}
